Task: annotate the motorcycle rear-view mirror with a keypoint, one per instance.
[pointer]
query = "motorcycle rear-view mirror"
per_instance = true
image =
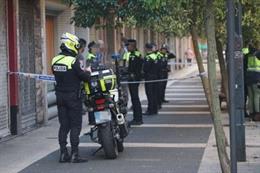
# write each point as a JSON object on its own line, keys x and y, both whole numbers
{"x": 116, "y": 56}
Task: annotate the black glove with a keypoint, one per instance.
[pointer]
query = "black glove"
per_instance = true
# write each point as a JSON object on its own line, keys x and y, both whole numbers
{"x": 257, "y": 54}
{"x": 171, "y": 56}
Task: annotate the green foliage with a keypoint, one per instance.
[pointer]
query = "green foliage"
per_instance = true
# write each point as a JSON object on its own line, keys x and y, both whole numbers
{"x": 171, "y": 17}
{"x": 87, "y": 12}
{"x": 251, "y": 22}
{"x": 220, "y": 20}
{"x": 153, "y": 4}
{"x": 166, "y": 16}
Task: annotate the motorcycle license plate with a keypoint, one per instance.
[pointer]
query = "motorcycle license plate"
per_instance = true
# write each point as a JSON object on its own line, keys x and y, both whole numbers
{"x": 102, "y": 116}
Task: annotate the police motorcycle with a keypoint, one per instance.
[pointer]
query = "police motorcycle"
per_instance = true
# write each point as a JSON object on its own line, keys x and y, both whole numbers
{"x": 103, "y": 97}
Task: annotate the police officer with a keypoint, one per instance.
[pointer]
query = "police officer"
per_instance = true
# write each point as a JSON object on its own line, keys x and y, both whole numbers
{"x": 123, "y": 70}
{"x": 253, "y": 83}
{"x": 68, "y": 75}
{"x": 159, "y": 77}
{"x": 92, "y": 62}
{"x": 245, "y": 51}
{"x": 164, "y": 55}
{"x": 82, "y": 60}
{"x": 133, "y": 61}
{"x": 151, "y": 71}
{"x": 91, "y": 58}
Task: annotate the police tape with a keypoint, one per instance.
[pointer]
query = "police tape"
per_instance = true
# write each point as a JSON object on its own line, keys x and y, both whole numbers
{"x": 42, "y": 77}
{"x": 204, "y": 74}
{"x": 187, "y": 63}
{"x": 51, "y": 78}
{"x": 183, "y": 63}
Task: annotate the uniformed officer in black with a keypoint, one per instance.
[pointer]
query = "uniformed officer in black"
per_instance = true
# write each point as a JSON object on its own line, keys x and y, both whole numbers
{"x": 68, "y": 75}
{"x": 91, "y": 61}
{"x": 91, "y": 57}
{"x": 158, "y": 67}
{"x": 164, "y": 55}
{"x": 151, "y": 72}
{"x": 133, "y": 60}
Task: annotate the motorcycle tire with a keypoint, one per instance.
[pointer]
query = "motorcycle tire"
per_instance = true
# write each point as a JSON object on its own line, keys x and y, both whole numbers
{"x": 120, "y": 145}
{"x": 108, "y": 141}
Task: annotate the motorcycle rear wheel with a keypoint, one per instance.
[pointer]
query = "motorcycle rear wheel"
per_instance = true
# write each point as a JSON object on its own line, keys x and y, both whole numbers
{"x": 108, "y": 141}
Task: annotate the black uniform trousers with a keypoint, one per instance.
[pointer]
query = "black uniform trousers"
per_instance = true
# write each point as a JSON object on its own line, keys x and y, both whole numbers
{"x": 70, "y": 118}
{"x": 163, "y": 85}
{"x": 91, "y": 118}
{"x": 137, "y": 109}
{"x": 151, "y": 90}
{"x": 159, "y": 92}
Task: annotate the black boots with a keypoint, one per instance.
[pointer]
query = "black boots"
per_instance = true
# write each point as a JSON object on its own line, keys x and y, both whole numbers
{"x": 256, "y": 116}
{"x": 64, "y": 156}
{"x": 134, "y": 122}
{"x": 75, "y": 158}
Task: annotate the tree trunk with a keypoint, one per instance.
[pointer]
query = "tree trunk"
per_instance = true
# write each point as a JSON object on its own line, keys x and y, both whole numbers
{"x": 204, "y": 79}
{"x": 212, "y": 56}
{"x": 223, "y": 67}
{"x": 110, "y": 38}
{"x": 194, "y": 36}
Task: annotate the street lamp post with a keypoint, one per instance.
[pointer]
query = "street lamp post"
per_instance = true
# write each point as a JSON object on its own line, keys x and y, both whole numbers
{"x": 239, "y": 90}
{"x": 236, "y": 86}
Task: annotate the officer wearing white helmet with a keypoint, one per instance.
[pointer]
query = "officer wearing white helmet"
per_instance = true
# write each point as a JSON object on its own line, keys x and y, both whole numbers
{"x": 68, "y": 75}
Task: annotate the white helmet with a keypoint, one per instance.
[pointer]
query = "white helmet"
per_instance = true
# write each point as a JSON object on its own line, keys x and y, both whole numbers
{"x": 70, "y": 41}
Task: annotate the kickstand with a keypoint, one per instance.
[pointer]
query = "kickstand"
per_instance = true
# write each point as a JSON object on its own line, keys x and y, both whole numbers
{"x": 87, "y": 134}
{"x": 94, "y": 153}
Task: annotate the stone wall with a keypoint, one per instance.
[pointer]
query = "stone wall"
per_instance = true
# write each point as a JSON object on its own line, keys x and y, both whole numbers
{"x": 31, "y": 92}
{"x": 4, "y": 127}
{"x": 38, "y": 44}
{"x": 63, "y": 25}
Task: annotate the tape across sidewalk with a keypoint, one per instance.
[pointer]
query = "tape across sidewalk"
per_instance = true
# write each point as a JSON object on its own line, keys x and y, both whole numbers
{"x": 42, "y": 77}
{"x": 51, "y": 78}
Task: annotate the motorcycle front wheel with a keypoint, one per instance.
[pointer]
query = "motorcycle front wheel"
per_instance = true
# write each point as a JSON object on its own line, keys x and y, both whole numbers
{"x": 108, "y": 141}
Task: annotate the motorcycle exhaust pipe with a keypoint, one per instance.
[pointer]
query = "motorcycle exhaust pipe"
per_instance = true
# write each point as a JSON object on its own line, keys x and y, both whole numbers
{"x": 122, "y": 125}
{"x": 120, "y": 119}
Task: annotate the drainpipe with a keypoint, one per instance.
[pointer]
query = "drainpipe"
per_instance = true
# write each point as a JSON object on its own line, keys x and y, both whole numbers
{"x": 12, "y": 52}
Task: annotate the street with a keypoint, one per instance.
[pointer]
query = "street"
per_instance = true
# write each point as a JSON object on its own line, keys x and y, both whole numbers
{"x": 171, "y": 142}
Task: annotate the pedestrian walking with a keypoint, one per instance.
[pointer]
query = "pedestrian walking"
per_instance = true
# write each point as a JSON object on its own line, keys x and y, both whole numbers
{"x": 68, "y": 76}
{"x": 134, "y": 62}
{"x": 189, "y": 55}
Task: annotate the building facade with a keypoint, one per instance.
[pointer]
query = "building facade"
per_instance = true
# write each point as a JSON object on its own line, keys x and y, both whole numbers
{"x": 29, "y": 37}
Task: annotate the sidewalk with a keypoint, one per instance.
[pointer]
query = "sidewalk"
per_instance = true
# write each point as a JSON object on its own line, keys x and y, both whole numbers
{"x": 21, "y": 151}
{"x": 210, "y": 162}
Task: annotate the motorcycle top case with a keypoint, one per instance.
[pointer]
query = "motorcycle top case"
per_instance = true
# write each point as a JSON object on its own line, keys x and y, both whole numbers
{"x": 102, "y": 81}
